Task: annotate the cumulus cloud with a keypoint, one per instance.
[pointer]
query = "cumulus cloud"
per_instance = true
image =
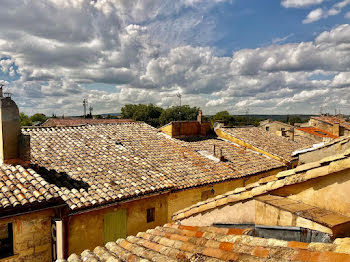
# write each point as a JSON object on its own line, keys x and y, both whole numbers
{"x": 300, "y": 3}
{"x": 320, "y": 13}
{"x": 62, "y": 51}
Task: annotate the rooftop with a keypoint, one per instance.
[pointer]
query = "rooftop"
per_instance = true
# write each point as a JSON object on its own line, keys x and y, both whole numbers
{"x": 236, "y": 157}
{"x": 317, "y": 132}
{"x": 98, "y": 164}
{"x": 184, "y": 243}
{"x": 333, "y": 120}
{"x": 51, "y": 122}
{"x": 276, "y": 145}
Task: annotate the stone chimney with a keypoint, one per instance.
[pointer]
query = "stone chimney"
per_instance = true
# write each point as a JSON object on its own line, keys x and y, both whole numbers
{"x": 9, "y": 129}
{"x": 336, "y": 129}
{"x": 200, "y": 116}
{"x": 291, "y": 137}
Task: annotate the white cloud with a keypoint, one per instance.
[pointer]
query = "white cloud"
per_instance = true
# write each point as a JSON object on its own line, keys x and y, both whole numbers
{"x": 300, "y": 3}
{"x": 114, "y": 43}
{"x": 313, "y": 16}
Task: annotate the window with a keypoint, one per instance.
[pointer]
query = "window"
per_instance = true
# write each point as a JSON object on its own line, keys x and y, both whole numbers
{"x": 6, "y": 240}
{"x": 267, "y": 128}
{"x": 283, "y": 129}
{"x": 151, "y": 214}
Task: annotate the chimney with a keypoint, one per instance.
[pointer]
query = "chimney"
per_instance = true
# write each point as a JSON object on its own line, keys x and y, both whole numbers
{"x": 292, "y": 134}
{"x": 336, "y": 129}
{"x": 199, "y": 117}
{"x": 9, "y": 129}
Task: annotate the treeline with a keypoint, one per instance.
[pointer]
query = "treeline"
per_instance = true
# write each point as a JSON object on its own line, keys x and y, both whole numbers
{"x": 157, "y": 116}
{"x": 36, "y": 119}
{"x": 234, "y": 120}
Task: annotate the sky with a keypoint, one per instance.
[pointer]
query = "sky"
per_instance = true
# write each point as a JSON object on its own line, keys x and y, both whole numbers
{"x": 261, "y": 57}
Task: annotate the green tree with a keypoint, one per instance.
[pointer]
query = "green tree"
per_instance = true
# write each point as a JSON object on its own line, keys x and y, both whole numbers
{"x": 38, "y": 117}
{"x": 179, "y": 113}
{"x": 147, "y": 113}
{"x": 24, "y": 119}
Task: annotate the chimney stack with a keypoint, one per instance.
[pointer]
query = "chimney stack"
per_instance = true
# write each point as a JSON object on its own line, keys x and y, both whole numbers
{"x": 292, "y": 134}
{"x": 9, "y": 129}
{"x": 336, "y": 129}
{"x": 199, "y": 117}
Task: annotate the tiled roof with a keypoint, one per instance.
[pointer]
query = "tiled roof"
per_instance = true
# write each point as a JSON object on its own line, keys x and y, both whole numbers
{"x": 317, "y": 132}
{"x": 98, "y": 164}
{"x": 340, "y": 140}
{"x": 184, "y": 243}
{"x": 299, "y": 174}
{"x": 236, "y": 157}
{"x": 271, "y": 143}
{"x": 21, "y": 187}
{"x": 332, "y": 120}
{"x": 81, "y": 121}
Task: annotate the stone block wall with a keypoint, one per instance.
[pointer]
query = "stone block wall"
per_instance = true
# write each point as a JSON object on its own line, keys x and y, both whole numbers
{"x": 31, "y": 237}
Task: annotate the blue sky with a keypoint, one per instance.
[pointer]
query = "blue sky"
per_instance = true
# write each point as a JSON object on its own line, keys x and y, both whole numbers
{"x": 269, "y": 57}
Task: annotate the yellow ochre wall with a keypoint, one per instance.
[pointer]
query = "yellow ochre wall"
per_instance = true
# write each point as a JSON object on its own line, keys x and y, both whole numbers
{"x": 86, "y": 230}
{"x": 330, "y": 192}
{"x": 31, "y": 237}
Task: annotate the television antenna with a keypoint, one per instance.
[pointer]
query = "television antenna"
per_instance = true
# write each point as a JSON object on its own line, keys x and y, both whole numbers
{"x": 85, "y": 104}
{"x": 90, "y": 110}
{"x": 179, "y": 96}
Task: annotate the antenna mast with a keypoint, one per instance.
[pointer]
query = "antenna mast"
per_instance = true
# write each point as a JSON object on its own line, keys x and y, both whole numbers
{"x": 90, "y": 110}
{"x": 85, "y": 104}
{"x": 1, "y": 86}
{"x": 179, "y": 97}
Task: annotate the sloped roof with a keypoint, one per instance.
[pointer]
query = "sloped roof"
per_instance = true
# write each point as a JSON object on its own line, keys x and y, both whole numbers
{"x": 317, "y": 132}
{"x": 98, "y": 164}
{"x": 236, "y": 157}
{"x": 51, "y": 122}
{"x": 332, "y": 120}
{"x": 271, "y": 143}
{"x": 299, "y": 174}
{"x": 184, "y": 243}
{"x": 21, "y": 187}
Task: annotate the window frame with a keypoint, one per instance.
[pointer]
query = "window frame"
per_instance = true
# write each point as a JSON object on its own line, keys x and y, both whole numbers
{"x": 9, "y": 252}
{"x": 151, "y": 214}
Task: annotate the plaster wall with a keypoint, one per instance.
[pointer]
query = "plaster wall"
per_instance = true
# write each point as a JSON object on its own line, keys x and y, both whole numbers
{"x": 238, "y": 213}
{"x": 9, "y": 129}
{"x": 268, "y": 215}
{"x": 86, "y": 230}
{"x": 31, "y": 237}
{"x": 275, "y": 126}
{"x": 330, "y": 192}
{"x": 318, "y": 154}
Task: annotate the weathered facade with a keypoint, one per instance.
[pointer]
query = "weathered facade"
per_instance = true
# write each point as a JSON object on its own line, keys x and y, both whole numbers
{"x": 336, "y": 125}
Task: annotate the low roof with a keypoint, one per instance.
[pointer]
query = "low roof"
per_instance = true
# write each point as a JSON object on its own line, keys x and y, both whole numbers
{"x": 276, "y": 145}
{"x": 184, "y": 243}
{"x": 99, "y": 164}
{"x": 317, "y": 132}
{"x": 297, "y": 175}
{"x": 333, "y": 120}
{"x": 81, "y": 121}
{"x": 23, "y": 187}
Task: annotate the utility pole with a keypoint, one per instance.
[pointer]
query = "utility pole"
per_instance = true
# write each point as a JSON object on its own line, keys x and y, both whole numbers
{"x": 85, "y": 104}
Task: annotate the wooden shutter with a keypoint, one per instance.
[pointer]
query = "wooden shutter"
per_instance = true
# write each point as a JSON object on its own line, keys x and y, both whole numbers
{"x": 115, "y": 225}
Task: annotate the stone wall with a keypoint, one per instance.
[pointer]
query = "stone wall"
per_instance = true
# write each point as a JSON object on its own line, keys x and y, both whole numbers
{"x": 31, "y": 237}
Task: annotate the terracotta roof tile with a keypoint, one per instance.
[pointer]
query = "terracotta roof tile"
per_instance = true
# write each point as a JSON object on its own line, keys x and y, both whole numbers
{"x": 178, "y": 243}
{"x": 317, "y": 132}
{"x": 276, "y": 145}
{"x": 332, "y": 120}
{"x": 52, "y": 122}
{"x": 92, "y": 165}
